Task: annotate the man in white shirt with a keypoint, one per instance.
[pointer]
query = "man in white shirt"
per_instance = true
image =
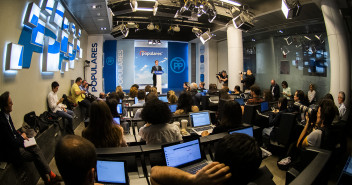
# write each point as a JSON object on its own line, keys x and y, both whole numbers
{"x": 56, "y": 106}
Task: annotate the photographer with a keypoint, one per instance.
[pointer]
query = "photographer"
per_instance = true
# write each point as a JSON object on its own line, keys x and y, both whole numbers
{"x": 223, "y": 77}
{"x": 249, "y": 80}
{"x": 84, "y": 86}
{"x": 56, "y": 106}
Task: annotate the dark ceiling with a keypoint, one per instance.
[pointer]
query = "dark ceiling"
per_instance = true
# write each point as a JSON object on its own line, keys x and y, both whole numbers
{"x": 93, "y": 16}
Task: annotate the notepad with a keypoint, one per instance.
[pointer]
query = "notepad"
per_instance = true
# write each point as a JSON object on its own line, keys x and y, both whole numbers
{"x": 30, "y": 142}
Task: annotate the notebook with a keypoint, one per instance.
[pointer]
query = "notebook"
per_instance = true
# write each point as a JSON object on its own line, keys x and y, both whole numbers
{"x": 240, "y": 101}
{"x": 117, "y": 120}
{"x": 246, "y": 130}
{"x": 173, "y": 107}
{"x": 163, "y": 98}
{"x": 119, "y": 108}
{"x": 185, "y": 156}
{"x": 112, "y": 172}
{"x": 200, "y": 122}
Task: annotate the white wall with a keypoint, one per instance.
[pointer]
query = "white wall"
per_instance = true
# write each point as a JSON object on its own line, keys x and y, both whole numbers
{"x": 29, "y": 88}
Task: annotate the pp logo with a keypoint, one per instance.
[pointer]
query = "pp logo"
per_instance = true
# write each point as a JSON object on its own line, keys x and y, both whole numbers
{"x": 177, "y": 65}
{"x": 109, "y": 61}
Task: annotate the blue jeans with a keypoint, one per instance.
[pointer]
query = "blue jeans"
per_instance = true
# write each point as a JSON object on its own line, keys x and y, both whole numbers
{"x": 69, "y": 117}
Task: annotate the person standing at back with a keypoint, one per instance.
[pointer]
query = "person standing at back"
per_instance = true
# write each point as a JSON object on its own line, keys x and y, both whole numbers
{"x": 275, "y": 90}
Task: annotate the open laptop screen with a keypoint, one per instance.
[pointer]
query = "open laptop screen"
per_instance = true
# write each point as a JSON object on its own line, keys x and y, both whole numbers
{"x": 119, "y": 108}
{"x": 111, "y": 172}
{"x": 240, "y": 101}
{"x": 173, "y": 107}
{"x": 264, "y": 106}
{"x": 180, "y": 154}
{"x": 163, "y": 98}
{"x": 248, "y": 131}
{"x": 135, "y": 100}
{"x": 117, "y": 120}
{"x": 200, "y": 119}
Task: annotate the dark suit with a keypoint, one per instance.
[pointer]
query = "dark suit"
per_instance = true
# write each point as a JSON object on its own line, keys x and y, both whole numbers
{"x": 275, "y": 91}
{"x": 12, "y": 147}
{"x": 155, "y": 68}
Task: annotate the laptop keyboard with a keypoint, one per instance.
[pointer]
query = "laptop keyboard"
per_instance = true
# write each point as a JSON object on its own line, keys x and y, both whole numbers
{"x": 203, "y": 128}
{"x": 194, "y": 168}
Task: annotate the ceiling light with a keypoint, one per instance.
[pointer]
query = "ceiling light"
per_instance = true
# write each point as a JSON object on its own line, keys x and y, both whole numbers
{"x": 280, "y": 31}
{"x": 176, "y": 28}
{"x": 307, "y": 38}
{"x": 243, "y": 22}
{"x": 288, "y": 40}
{"x": 154, "y": 42}
{"x": 94, "y": 6}
{"x": 134, "y": 5}
{"x": 231, "y": 2}
{"x": 211, "y": 15}
{"x": 205, "y": 37}
{"x": 145, "y": 9}
{"x": 122, "y": 28}
{"x": 284, "y": 50}
{"x": 290, "y": 8}
{"x": 253, "y": 40}
{"x": 150, "y": 26}
{"x": 100, "y": 19}
{"x": 150, "y": 42}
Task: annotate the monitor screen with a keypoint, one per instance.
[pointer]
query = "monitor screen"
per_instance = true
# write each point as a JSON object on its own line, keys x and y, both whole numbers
{"x": 119, "y": 108}
{"x": 264, "y": 106}
{"x": 135, "y": 100}
{"x": 173, "y": 107}
{"x": 111, "y": 172}
{"x": 248, "y": 131}
{"x": 200, "y": 119}
{"x": 117, "y": 120}
{"x": 163, "y": 98}
{"x": 240, "y": 101}
{"x": 179, "y": 154}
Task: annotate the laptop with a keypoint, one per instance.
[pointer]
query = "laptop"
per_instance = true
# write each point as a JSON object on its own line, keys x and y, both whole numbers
{"x": 112, "y": 172}
{"x": 246, "y": 130}
{"x": 264, "y": 108}
{"x": 240, "y": 101}
{"x": 185, "y": 156}
{"x": 163, "y": 98}
{"x": 117, "y": 120}
{"x": 119, "y": 108}
{"x": 200, "y": 122}
{"x": 135, "y": 100}
{"x": 173, "y": 107}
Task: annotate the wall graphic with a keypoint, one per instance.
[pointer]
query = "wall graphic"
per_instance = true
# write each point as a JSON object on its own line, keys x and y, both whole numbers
{"x": 144, "y": 61}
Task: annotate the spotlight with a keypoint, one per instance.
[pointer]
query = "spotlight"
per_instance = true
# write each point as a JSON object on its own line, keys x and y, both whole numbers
{"x": 176, "y": 28}
{"x": 212, "y": 15}
{"x": 290, "y": 8}
{"x": 243, "y": 22}
{"x": 134, "y": 5}
{"x": 122, "y": 28}
{"x": 197, "y": 31}
{"x": 205, "y": 37}
{"x": 150, "y": 26}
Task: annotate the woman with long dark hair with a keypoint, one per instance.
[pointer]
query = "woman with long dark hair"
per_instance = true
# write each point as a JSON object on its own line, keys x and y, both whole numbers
{"x": 185, "y": 104}
{"x": 102, "y": 131}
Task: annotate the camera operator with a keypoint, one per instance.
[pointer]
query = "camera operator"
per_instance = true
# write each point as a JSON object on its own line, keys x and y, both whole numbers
{"x": 223, "y": 77}
{"x": 84, "y": 86}
{"x": 249, "y": 80}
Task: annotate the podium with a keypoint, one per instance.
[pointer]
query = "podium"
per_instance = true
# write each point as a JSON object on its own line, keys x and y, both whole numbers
{"x": 158, "y": 80}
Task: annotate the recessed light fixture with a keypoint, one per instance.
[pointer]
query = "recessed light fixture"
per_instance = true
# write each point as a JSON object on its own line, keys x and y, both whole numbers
{"x": 103, "y": 28}
{"x": 100, "y": 19}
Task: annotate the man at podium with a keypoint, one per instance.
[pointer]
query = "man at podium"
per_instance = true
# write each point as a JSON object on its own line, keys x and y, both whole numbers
{"x": 156, "y": 67}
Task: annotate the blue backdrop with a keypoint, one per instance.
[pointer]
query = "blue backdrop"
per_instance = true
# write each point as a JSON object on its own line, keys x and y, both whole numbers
{"x": 109, "y": 70}
{"x": 178, "y": 64}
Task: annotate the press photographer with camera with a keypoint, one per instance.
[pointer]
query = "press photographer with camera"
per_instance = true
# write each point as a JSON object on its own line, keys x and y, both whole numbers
{"x": 79, "y": 96}
{"x": 223, "y": 78}
{"x": 84, "y": 86}
{"x": 249, "y": 80}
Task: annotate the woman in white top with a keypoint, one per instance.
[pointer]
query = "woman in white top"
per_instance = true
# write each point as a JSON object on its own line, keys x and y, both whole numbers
{"x": 286, "y": 90}
{"x": 342, "y": 107}
{"x": 311, "y": 94}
